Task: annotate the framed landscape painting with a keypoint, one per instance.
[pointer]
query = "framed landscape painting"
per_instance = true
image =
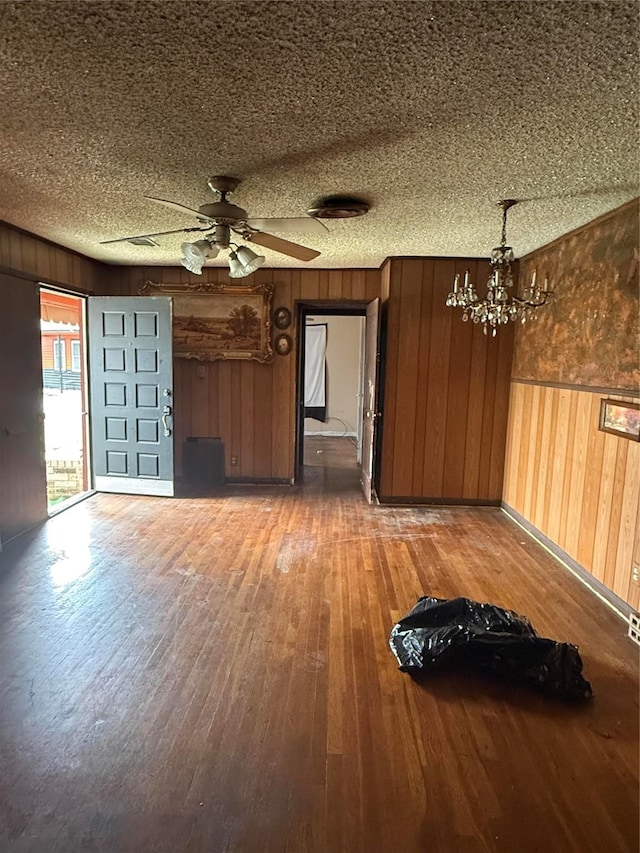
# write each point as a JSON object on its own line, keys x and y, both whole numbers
{"x": 620, "y": 418}
{"x": 219, "y": 321}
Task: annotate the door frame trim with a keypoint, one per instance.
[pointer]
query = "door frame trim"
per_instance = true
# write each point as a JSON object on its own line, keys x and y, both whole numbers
{"x": 302, "y": 308}
{"x": 87, "y": 450}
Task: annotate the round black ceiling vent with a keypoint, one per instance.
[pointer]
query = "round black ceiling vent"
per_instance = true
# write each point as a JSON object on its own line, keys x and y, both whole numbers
{"x": 338, "y": 207}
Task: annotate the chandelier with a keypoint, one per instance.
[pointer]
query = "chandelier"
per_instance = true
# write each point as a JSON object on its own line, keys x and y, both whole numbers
{"x": 242, "y": 260}
{"x": 499, "y": 305}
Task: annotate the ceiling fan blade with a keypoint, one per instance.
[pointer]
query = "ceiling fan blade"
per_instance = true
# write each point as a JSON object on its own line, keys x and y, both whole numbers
{"x": 154, "y": 234}
{"x": 176, "y": 206}
{"x": 285, "y": 247}
{"x": 289, "y": 225}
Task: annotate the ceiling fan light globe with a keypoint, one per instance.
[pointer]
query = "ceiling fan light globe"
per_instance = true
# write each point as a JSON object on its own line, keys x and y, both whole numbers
{"x": 236, "y": 269}
{"x": 250, "y": 268}
{"x": 193, "y": 265}
{"x": 199, "y": 249}
{"x": 249, "y": 260}
{"x": 195, "y": 254}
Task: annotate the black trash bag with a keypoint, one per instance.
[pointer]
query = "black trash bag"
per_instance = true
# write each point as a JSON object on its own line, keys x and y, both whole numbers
{"x": 488, "y": 638}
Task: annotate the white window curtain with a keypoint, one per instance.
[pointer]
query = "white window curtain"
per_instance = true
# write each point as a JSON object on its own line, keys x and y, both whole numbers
{"x": 315, "y": 372}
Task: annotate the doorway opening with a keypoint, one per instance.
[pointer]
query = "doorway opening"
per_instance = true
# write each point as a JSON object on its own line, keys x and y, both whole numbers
{"x": 63, "y": 347}
{"x": 331, "y": 431}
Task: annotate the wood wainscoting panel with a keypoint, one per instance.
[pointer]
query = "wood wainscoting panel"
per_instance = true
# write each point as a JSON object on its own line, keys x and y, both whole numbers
{"x": 446, "y": 390}
{"x": 577, "y": 485}
{"x": 629, "y": 522}
{"x": 250, "y": 406}
{"x": 617, "y": 497}
{"x": 634, "y": 580}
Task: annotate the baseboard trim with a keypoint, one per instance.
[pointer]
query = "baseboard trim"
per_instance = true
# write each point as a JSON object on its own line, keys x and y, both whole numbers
{"x": 413, "y": 501}
{"x": 617, "y": 604}
{"x": 329, "y": 433}
{"x": 257, "y": 481}
{"x": 15, "y": 536}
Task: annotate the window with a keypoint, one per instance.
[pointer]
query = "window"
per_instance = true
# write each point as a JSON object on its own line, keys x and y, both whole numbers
{"x": 59, "y": 360}
{"x": 75, "y": 356}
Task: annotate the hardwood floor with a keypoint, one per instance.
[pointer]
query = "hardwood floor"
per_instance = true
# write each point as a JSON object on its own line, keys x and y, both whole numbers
{"x": 330, "y": 451}
{"x": 213, "y": 674}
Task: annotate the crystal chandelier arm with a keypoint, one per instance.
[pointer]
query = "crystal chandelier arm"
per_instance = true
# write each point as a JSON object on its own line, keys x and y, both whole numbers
{"x": 534, "y": 296}
{"x": 544, "y": 298}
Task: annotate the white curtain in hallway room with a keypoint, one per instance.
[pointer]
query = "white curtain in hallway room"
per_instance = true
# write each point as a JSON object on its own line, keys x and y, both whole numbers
{"x": 314, "y": 366}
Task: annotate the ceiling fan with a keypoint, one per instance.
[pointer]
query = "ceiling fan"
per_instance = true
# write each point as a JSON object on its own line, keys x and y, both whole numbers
{"x": 220, "y": 221}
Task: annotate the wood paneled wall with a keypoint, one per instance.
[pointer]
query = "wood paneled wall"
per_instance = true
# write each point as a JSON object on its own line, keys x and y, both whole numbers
{"x": 28, "y": 256}
{"x": 446, "y": 390}
{"x": 250, "y": 406}
{"x": 576, "y": 484}
{"x": 23, "y": 493}
{"x": 24, "y": 261}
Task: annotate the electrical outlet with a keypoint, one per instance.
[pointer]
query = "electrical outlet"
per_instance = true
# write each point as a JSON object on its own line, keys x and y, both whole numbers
{"x": 234, "y": 460}
{"x": 635, "y": 573}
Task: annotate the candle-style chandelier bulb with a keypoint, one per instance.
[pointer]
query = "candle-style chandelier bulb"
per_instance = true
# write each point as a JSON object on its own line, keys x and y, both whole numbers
{"x": 499, "y": 306}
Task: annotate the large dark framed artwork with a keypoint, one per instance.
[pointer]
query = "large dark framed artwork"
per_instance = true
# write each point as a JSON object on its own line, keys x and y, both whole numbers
{"x": 219, "y": 321}
{"x": 620, "y": 418}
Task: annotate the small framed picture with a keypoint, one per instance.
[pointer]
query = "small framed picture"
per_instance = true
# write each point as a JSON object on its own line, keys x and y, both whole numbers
{"x": 282, "y": 318}
{"x": 283, "y": 344}
{"x": 620, "y": 418}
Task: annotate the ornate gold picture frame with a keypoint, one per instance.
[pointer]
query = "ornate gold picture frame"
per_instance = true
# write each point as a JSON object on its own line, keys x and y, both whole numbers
{"x": 219, "y": 321}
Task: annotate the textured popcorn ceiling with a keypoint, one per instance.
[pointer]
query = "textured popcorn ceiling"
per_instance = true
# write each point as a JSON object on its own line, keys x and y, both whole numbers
{"x": 432, "y": 111}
